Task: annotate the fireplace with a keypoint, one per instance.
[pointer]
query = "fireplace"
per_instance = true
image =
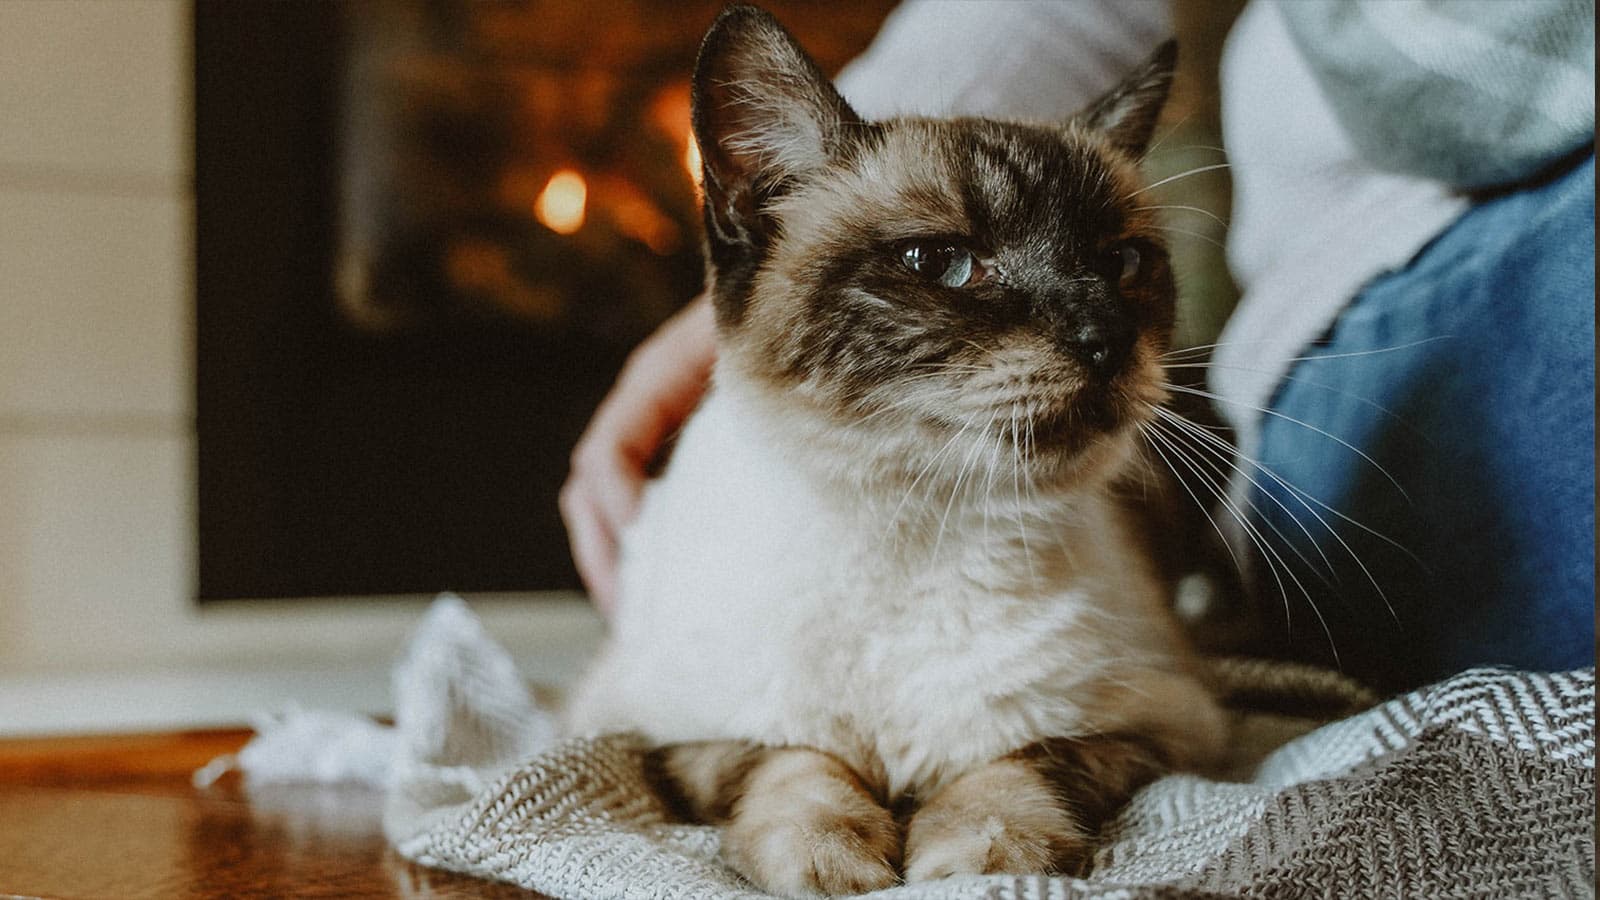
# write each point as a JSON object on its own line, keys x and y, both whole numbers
{"x": 427, "y": 234}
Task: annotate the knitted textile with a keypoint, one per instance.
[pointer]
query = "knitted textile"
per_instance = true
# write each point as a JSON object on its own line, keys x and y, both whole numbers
{"x": 1480, "y": 786}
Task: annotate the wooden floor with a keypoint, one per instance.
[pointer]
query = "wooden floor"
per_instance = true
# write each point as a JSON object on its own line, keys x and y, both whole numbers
{"x": 117, "y": 817}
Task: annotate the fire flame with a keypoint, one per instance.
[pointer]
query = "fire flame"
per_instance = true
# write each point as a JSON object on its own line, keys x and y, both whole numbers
{"x": 560, "y": 206}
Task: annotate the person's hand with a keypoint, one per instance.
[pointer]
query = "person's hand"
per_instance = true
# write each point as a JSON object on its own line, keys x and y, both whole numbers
{"x": 659, "y": 386}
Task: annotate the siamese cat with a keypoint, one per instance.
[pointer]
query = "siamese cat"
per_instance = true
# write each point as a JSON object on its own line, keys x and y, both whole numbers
{"x": 884, "y": 612}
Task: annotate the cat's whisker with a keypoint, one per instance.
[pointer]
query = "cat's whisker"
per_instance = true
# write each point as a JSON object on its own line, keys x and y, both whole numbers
{"x": 880, "y": 412}
{"x": 894, "y": 517}
{"x": 1275, "y": 560}
{"x": 1171, "y": 178}
{"x": 941, "y": 368}
{"x": 1193, "y": 234}
{"x": 986, "y": 351}
{"x": 908, "y": 405}
{"x": 1213, "y": 478}
{"x": 1397, "y": 347}
{"x": 1202, "y": 348}
{"x": 1371, "y": 404}
{"x": 1204, "y": 508}
{"x": 1171, "y": 130}
{"x": 1305, "y": 499}
{"x": 955, "y": 492}
{"x": 1356, "y": 353}
{"x": 1198, "y": 351}
{"x": 994, "y": 469}
{"x": 1221, "y": 456}
{"x": 1248, "y": 164}
{"x": 1194, "y": 209}
{"x": 943, "y": 365}
{"x": 921, "y": 376}
{"x": 1030, "y": 459}
{"x": 1158, "y": 440}
{"x": 1302, "y": 493}
{"x": 1068, "y": 554}
{"x": 1307, "y": 425}
{"x": 1020, "y": 514}
{"x": 1218, "y": 430}
{"x": 1028, "y": 446}
{"x": 934, "y": 376}
{"x": 1172, "y": 150}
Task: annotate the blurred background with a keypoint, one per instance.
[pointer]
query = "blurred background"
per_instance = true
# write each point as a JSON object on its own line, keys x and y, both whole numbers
{"x": 304, "y": 305}
{"x": 427, "y": 234}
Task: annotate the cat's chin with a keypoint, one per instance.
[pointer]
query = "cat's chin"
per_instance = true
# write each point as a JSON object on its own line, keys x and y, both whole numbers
{"x": 1072, "y": 444}
{"x": 1067, "y": 454}
{"x": 1076, "y": 423}
{"x": 1074, "y": 427}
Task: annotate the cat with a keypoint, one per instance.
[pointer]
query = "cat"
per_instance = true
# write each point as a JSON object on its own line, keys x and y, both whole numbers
{"x": 884, "y": 613}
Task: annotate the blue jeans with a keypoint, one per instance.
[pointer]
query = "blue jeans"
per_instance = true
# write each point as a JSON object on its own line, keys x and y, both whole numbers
{"x": 1467, "y": 380}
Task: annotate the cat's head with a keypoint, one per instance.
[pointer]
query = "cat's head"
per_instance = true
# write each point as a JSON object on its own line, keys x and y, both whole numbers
{"x": 964, "y": 281}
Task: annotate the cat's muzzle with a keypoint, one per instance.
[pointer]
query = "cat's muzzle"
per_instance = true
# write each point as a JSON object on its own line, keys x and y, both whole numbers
{"x": 1099, "y": 341}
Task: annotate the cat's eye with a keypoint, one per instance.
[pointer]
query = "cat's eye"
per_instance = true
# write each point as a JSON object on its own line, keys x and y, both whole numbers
{"x": 1124, "y": 262}
{"x": 946, "y": 263}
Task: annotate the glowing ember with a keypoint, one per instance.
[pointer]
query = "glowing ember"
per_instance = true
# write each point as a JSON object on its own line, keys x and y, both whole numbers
{"x": 561, "y": 204}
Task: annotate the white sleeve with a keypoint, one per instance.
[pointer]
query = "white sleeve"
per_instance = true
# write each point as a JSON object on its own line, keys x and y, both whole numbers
{"x": 1019, "y": 59}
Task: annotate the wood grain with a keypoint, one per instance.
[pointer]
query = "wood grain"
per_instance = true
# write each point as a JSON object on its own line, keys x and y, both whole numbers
{"x": 117, "y": 817}
{"x": 154, "y": 761}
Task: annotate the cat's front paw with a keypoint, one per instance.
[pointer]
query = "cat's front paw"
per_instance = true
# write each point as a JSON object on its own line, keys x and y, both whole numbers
{"x": 810, "y": 853}
{"x": 805, "y": 827}
{"x": 1000, "y": 819}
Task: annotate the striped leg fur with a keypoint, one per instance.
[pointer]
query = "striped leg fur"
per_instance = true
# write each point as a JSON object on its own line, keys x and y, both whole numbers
{"x": 1034, "y": 811}
{"x": 796, "y": 821}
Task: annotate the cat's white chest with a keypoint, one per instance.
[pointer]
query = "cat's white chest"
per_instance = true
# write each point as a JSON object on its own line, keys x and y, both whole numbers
{"x": 729, "y": 557}
{"x": 756, "y": 607}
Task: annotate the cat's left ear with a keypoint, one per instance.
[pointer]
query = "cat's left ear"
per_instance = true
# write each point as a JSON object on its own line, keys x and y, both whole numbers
{"x": 1127, "y": 114}
{"x": 764, "y": 114}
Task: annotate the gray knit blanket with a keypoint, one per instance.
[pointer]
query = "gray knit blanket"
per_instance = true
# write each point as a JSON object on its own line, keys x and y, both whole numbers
{"x": 1480, "y": 786}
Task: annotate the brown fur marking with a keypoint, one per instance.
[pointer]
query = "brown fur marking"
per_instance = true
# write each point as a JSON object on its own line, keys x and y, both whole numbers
{"x": 1033, "y": 811}
{"x": 798, "y": 821}
{"x": 703, "y": 780}
{"x": 1002, "y": 817}
{"x": 807, "y": 824}
{"x": 1096, "y": 775}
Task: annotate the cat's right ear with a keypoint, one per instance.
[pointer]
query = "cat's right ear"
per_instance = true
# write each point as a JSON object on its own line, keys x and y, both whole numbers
{"x": 764, "y": 115}
{"x": 1127, "y": 115}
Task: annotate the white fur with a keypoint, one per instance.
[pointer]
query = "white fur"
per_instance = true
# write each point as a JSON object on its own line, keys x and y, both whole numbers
{"x": 774, "y": 589}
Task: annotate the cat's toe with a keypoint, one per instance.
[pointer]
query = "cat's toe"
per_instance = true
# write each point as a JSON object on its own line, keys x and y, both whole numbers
{"x": 942, "y": 846}
{"x": 818, "y": 855}
{"x": 853, "y": 863}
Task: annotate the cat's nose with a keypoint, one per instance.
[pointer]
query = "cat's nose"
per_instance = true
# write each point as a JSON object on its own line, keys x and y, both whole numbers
{"x": 1102, "y": 347}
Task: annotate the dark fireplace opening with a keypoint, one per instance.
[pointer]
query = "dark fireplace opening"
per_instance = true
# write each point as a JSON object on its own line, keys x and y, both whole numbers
{"x": 428, "y": 232}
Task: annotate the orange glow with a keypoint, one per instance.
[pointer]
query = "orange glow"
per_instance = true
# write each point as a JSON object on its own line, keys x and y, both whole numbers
{"x": 560, "y": 206}
{"x": 669, "y": 114}
{"x": 691, "y": 159}
{"x": 636, "y": 216}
